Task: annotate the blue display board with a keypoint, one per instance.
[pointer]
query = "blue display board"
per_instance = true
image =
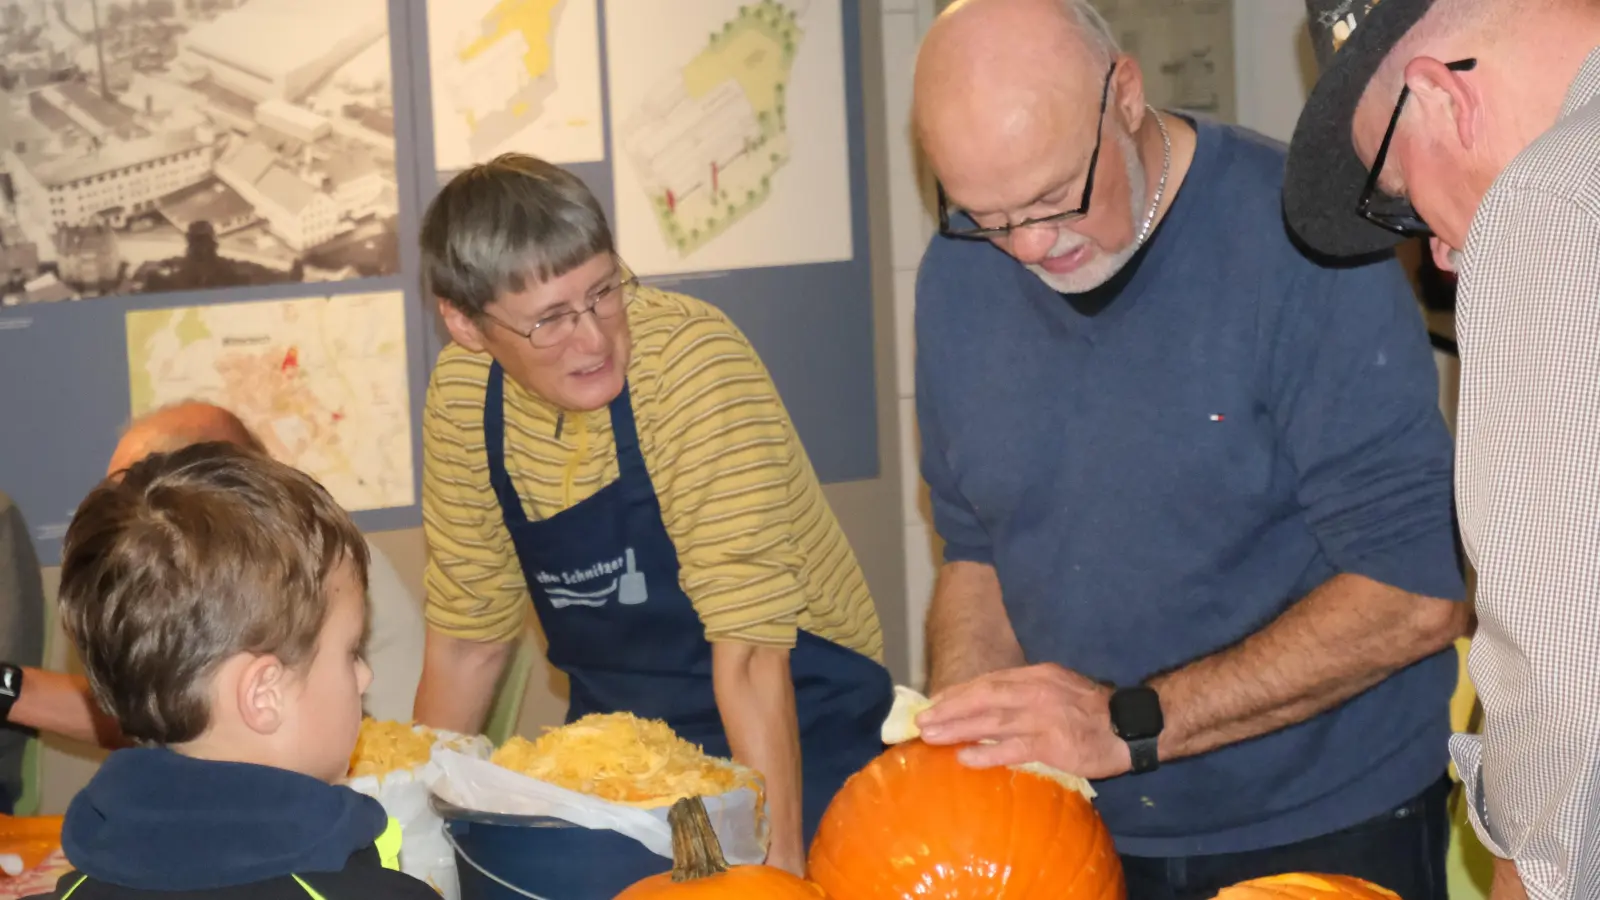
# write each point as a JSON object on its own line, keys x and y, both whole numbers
{"x": 65, "y": 388}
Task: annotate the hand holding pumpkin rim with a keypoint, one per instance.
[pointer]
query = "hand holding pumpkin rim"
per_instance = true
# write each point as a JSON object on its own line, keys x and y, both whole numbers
{"x": 900, "y": 726}
{"x": 1033, "y": 714}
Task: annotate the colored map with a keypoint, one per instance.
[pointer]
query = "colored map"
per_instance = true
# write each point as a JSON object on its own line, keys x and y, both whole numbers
{"x": 321, "y": 380}
{"x": 709, "y": 146}
{"x": 515, "y": 75}
{"x": 731, "y": 134}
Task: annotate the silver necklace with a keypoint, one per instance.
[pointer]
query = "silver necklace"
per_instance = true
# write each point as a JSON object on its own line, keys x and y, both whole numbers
{"x": 1161, "y": 186}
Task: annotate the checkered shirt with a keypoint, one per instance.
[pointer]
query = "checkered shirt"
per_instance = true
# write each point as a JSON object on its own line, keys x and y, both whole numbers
{"x": 1528, "y": 490}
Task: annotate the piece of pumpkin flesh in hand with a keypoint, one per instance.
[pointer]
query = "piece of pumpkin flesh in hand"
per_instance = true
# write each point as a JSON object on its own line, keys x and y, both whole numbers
{"x": 901, "y": 726}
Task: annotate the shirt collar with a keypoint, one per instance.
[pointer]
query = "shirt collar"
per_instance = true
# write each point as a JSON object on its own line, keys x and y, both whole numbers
{"x": 1585, "y": 87}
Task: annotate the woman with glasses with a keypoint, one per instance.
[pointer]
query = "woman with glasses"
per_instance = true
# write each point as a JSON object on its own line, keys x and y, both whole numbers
{"x": 616, "y": 458}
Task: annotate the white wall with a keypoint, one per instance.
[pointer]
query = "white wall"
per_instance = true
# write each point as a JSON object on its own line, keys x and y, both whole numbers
{"x": 1274, "y": 67}
{"x": 911, "y": 225}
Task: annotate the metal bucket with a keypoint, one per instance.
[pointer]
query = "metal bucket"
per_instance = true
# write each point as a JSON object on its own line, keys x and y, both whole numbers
{"x": 507, "y": 857}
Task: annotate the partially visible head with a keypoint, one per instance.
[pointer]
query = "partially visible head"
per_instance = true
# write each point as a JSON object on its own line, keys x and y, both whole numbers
{"x": 1007, "y": 109}
{"x": 1460, "y": 128}
{"x": 511, "y": 245}
{"x": 177, "y": 426}
{"x": 217, "y": 600}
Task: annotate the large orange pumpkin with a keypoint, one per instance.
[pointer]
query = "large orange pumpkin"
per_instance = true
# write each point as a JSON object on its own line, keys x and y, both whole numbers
{"x": 1306, "y": 886}
{"x": 916, "y": 823}
{"x": 699, "y": 871}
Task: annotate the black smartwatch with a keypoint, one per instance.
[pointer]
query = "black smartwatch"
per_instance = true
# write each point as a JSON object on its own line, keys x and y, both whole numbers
{"x": 1136, "y": 718}
{"x": 10, "y": 689}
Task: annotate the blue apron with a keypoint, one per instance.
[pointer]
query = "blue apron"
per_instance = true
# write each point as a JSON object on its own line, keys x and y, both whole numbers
{"x": 604, "y": 580}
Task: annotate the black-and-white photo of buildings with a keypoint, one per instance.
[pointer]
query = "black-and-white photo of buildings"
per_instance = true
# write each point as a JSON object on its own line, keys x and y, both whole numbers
{"x": 163, "y": 145}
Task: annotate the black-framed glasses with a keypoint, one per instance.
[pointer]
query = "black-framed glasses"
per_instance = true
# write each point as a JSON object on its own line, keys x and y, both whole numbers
{"x": 1001, "y": 231}
{"x": 605, "y": 302}
{"x": 1396, "y": 214}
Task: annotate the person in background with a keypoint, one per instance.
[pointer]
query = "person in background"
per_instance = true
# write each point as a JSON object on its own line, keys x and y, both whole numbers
{"x": 218, "y": 601}
{"x": 21, "y": 642}
{"x": 33, "y": 699}
{"x": 1476, "y": 124}
{"x": 617, "y": 459}
{"x": 54, "y": 703}
{"x": 1194, "y": 489}
{"x": 61, "y": 704}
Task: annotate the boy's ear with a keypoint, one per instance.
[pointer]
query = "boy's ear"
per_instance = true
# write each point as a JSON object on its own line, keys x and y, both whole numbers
{"x": 262, "y": 694}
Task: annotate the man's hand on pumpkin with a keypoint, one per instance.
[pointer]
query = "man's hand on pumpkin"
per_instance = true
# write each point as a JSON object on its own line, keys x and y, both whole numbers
{"x": 1045, "y": 714}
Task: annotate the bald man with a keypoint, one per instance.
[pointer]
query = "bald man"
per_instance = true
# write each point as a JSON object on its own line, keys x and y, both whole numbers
{"x": 1194, "y": 489}
{"x": 177, "y": 426}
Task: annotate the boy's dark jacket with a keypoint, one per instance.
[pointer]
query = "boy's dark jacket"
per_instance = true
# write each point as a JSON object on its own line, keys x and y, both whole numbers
{"x": 153, "y": 824}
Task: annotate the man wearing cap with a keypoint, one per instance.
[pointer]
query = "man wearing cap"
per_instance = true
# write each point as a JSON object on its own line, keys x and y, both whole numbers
{"x": 1476, "y": 124}
{"x": 1196, "y": 517}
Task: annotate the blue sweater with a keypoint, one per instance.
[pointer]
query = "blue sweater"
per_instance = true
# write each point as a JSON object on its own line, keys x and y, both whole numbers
{"x": 153, "y": 820}
{"x": 1157, "y": 480}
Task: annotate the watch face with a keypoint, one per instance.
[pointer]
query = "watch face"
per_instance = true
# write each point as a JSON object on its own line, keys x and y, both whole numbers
{"x": 1136, "y": 713}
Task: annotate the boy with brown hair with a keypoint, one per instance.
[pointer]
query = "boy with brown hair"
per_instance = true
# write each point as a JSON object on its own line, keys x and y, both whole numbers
{"x": 217, "y": 600}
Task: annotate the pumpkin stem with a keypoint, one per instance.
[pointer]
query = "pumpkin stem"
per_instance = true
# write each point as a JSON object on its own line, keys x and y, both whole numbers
{"x": 696, "y": 853}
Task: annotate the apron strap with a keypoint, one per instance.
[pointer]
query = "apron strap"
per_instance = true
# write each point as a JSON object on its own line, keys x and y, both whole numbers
{"x": 494, "y": 445}
{"x": 631, "y": 470}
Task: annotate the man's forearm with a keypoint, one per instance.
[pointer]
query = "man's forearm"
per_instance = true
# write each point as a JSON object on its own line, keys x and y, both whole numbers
{"x": 755, "y": 696}
{"x": 458, "y": 681}
{"x": 1344, "y": 637}
{"x": 968, "y": 631}
{"x": 56, "y": 703}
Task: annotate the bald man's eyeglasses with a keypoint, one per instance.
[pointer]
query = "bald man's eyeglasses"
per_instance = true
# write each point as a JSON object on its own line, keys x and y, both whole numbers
{"x": 976, "y": 232}
{"x": 1396, "y": 214}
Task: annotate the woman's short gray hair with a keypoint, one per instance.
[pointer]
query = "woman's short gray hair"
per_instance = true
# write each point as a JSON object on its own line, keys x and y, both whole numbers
{"x": 506, "y": 224}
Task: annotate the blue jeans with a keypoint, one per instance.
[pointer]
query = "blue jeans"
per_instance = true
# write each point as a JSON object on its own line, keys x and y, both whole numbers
{"x": 1402, "y": 850}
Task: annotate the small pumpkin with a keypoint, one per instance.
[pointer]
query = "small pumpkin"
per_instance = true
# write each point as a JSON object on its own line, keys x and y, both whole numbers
{"x": 700, "y": 872}
{"x": 917, "y": 823}
{"x": 1306, "y": 886}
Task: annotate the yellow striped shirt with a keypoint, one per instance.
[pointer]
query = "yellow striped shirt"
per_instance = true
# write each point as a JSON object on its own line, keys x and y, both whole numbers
{"x": 760, "y": 552}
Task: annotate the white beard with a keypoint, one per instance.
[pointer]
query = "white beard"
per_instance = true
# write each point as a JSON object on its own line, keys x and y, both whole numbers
{"x": 1101, "y": 266}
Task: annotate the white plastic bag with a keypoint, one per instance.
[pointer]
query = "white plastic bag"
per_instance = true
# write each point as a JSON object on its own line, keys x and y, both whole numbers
{"x": 474, "y": 783}
{"x": 425, "y": 852}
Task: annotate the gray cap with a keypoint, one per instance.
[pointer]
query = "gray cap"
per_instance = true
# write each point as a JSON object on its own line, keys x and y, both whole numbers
{"x": 1323, "y": 181}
